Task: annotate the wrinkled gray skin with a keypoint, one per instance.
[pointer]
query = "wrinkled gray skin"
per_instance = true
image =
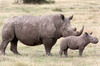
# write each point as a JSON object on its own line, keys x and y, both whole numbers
{"x": 77, "y": 43}
{"x": 36, "y": 30}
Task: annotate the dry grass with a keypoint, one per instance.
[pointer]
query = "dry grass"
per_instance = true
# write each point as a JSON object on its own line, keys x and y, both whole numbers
{"x": 86, "y": 12}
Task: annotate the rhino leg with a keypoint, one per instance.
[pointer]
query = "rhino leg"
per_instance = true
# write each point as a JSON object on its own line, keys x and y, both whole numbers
{"x": 61, "y": 52}
{"x": 3, "y": 47}
{"x": 81, "y": 51}
{"x": 48, "y": 44}
{"x": 13, "y": 46}
{"x": 66, "y": 52}
{"x": 7, "y": 36}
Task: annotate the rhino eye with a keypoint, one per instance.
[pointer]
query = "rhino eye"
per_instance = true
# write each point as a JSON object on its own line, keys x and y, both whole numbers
{"x": 68, "y": 31}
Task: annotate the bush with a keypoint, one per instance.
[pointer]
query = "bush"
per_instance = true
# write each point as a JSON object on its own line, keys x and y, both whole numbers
{"x": 34, "y": 1}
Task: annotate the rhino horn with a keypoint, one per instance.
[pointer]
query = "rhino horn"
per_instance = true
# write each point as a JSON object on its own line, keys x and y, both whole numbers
{"x": 80, "y": 32}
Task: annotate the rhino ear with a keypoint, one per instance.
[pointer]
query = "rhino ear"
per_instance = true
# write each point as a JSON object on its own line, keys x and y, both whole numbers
{"x": 86, "y": 33}
{"x": 62, "y": 17}
{"x": 71, "y": 17}
{"x": 91, "y": 33}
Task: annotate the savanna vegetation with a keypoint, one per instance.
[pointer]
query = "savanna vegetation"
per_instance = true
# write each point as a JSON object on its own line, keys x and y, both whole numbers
{"x": 86, "y": 12}
{"x": 34, "y": 1}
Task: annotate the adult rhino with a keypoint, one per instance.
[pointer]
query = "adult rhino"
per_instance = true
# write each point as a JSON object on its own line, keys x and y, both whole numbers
{"x": 36, "y": 30}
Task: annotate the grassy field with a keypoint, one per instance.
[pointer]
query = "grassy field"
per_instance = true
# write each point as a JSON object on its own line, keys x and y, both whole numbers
{"x": 86, "y": 12}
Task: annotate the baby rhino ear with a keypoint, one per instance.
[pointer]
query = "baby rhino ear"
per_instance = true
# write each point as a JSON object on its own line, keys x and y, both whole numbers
{"x": 86, "y": 33}
{"x": 91, "y": 33}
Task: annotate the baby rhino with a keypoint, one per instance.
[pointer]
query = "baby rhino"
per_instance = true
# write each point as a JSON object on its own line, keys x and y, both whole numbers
{"x": 77, "y": 42}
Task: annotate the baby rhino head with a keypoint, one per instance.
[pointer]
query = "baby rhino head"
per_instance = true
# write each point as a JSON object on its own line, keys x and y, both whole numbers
{"x": 92, "y": 39}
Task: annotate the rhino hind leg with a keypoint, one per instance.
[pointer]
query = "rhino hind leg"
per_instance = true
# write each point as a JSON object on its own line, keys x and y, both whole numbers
{"x": 3, "y": 47}
{"x": 13, "y": 46}
{"x": 61, "y": 52}
{"x": 65, "y": 52}
{"x": 7, "y": 36}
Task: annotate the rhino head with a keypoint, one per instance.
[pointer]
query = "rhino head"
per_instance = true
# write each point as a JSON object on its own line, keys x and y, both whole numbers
{"x": 91, "y": 38}
{"x": 67, "y": 29}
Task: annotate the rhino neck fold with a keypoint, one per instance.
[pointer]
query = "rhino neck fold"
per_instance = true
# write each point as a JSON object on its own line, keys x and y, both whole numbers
{"x": 57, "y": 33}
{"x": 85, "y": 39}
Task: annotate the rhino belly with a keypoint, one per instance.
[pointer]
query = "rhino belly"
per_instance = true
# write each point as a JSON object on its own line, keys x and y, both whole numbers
{"x": 73, "y": 46}
{"x": 30, "y": 41}
{"x": 28, "y": 36}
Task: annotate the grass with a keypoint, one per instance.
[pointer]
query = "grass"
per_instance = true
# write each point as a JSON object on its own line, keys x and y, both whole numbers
{"x": 86, "y": 12}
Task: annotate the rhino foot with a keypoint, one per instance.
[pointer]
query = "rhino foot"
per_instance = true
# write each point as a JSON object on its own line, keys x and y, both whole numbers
{"x": 49, "y": 54}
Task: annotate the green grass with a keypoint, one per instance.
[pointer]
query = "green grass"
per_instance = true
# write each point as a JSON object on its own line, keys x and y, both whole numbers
{"x": 86, "y": 12}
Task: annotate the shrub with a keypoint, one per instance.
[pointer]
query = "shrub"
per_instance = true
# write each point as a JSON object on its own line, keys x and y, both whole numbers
{"x": 34, "y": 1}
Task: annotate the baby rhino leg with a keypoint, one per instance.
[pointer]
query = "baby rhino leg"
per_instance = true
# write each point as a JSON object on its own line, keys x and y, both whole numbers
{"x": 63, "y": 49}
{"x": 66, "y": 52}
{"x": 61, "y": 52}
{"x": 81, "y": 51}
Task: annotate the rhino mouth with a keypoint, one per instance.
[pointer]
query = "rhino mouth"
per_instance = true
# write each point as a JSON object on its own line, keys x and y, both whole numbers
{"x": 95, "y": 41}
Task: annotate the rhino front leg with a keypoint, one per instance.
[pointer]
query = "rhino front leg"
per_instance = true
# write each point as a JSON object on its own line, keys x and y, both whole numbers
{"x": 13, "y": 46}
{"x": 81, "y": 51}
{"x": 48, "y": 44}
{"x": 3, "y": 47}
